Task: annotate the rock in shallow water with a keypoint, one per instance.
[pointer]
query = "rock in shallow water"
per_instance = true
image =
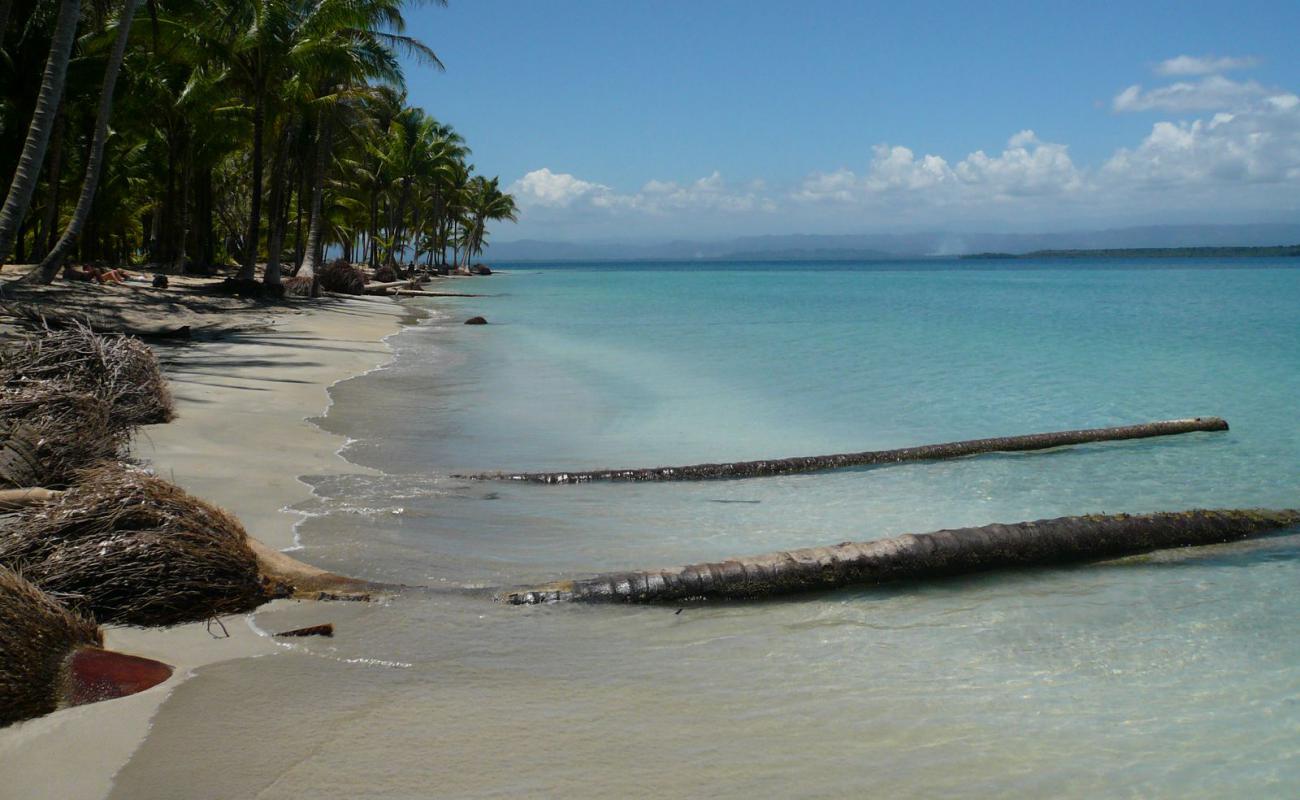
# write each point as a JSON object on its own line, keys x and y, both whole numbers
{"x": 476, "y": 321}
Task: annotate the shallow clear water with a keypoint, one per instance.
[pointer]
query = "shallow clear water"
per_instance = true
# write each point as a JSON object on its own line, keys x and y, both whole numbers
{"x": 1176, "y": 674}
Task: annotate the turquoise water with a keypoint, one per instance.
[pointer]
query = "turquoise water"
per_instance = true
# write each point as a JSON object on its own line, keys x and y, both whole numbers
{"x": 1171, "y": 675}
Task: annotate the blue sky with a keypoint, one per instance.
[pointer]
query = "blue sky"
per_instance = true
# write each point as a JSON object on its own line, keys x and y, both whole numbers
{"x": 633, "y": 119}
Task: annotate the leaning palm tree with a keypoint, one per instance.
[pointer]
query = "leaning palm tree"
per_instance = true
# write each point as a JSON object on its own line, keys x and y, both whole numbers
{"x": 485, "y": 202}
{"x": 49, "y": 266}
{"x": 38, "y": 133}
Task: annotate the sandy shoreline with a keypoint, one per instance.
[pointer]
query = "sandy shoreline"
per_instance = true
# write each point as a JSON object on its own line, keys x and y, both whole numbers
{"x": 234, "y": 396}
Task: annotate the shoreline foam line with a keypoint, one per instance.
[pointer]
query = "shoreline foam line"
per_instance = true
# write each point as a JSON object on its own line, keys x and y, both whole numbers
{"x": 929, "y": 452}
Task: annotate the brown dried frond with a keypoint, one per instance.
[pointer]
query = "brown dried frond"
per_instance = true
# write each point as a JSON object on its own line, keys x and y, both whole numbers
{"x": 120, "y": 370}
{"x": 36, "y": 635}
{"x": 340, "y": 276}
{"x": 49, "y": 430}
{"x": 131, "y": 548}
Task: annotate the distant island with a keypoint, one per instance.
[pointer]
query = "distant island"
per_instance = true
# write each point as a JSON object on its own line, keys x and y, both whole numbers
{"x": 1279, "y": 251}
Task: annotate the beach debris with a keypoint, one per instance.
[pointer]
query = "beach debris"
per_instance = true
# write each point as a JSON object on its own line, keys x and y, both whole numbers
{"x": 51, "y": 657}
{"x": 385, "y": 274}
{"x": 346, "y": 597}
{"x": 340, "y": 276}
{"x": 326, "y": 630}
{"x": 21, "y": 498}
{"x": 914, "y": 557}
{"x": 476, "y": 321}
{"x": 50, "y": 429}
{"x": 301, "y": 286}
{"x": 127, "y": 547}
{"x": 121, "y": 371}
{"x": 929, "y": 452}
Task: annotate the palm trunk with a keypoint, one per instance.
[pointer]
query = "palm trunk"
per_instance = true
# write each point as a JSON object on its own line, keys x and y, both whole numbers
{"x": 248, "y": 271}
{"x": 49, "y": 266}
{"x": 311, "y": 259}
{"x": 929, "y": 452}
{"x": 5, "y": 7}
{"x": 38, "y": 133}
{"x": 917, "y": 556}
{"x": 275, "y": 236}
{"x": 50, "y": 221}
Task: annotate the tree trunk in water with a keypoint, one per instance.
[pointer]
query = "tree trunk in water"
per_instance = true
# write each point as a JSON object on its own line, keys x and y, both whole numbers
{"x": 248, "y": 270}
{"x": 917, "y": 556}
{"x": 50, "y": 221}
{"x": 311, "y": 258}
{"x": 49, "y": 266}
{"x": 38, "y": 133}
{"x": 929, "y": 452}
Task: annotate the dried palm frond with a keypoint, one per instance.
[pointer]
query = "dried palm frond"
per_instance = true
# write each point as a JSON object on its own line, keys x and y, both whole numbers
{"x": 37, "y": 634}
{"x": 340, "y": 276}
{"x": 127, "y": 547}
{"x": 122, "y": 371}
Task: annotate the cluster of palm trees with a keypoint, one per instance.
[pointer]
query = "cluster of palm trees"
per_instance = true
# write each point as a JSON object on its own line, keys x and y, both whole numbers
{"x": 265, "y": 133}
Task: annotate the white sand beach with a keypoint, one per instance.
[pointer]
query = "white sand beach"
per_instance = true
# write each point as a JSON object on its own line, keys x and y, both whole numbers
{"x": 233, "y": 397}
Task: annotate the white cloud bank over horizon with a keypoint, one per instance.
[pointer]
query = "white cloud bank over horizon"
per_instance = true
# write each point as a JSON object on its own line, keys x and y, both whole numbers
{"x": 1244, "y": 155}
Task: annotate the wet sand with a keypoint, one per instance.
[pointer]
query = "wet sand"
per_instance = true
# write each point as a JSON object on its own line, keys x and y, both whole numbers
{"x": 242, "y": 437}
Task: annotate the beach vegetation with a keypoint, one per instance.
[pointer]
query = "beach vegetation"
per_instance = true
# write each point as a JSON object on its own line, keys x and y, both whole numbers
{"x": 198, "y": 135}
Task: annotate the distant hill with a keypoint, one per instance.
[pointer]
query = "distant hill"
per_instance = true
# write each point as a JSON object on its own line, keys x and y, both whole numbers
{"x": 1281, "y": 251}
{"x": 931, "y": 244}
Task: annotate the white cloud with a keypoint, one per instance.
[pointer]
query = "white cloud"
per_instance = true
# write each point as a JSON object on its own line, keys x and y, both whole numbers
{"x": 542, "y": 187}
{"x": 1027, "y": 166}
{"x": 1212, "y": 93}
{"x": 545, "y": 188}
{"x": 1203, "y": 65}
{"x": 1257, "y": 145}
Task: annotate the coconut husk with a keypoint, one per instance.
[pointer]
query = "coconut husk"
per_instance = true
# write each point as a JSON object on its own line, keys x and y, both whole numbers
{"x": 127, "y": 547}
{"x": 49, "y": 431}
{"x": 37, "y": 634}
{"x": 340, "y": 276}
{"x": 121, "y": 371}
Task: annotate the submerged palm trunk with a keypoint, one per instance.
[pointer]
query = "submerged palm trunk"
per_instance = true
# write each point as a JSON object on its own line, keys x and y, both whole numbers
{"x": 929, "y": 452}
{"x": 916, "y": 556}
{"x": 38, "y": 133}
{"x": 49, "y": 266}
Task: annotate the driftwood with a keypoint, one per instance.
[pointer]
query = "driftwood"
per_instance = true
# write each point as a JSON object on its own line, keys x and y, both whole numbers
{"x": 929, "y": 452}
{"x": 21, "y": 498}
{"x": 326, "y": 630}
{"x": 916, "y": 556}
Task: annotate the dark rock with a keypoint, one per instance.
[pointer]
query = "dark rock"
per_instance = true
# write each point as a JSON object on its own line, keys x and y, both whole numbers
{"x": 475, "y": 321}
{"x": 480, "y": 269}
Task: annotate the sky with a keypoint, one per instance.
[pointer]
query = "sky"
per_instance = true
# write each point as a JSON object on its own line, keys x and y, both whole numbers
{"x": 643, "y": 120}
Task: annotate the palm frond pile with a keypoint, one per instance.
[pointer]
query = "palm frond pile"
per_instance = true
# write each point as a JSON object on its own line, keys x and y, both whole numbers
{"x": 37, "y": 634}
{"x": 121, "y": 371}
{"x": 127, "y": 547}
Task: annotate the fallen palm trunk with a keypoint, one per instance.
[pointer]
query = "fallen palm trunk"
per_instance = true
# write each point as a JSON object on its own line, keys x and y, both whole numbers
{"x": 929, "y": 452}
{"x": 916, "y": 556}
{"x": 50, "y": 657}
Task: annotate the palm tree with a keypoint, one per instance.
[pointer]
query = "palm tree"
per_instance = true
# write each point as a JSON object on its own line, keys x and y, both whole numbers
{"x": 38, "y": 133}
{"x": 49, "y": 266}
{"x": 485, "y": 201}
